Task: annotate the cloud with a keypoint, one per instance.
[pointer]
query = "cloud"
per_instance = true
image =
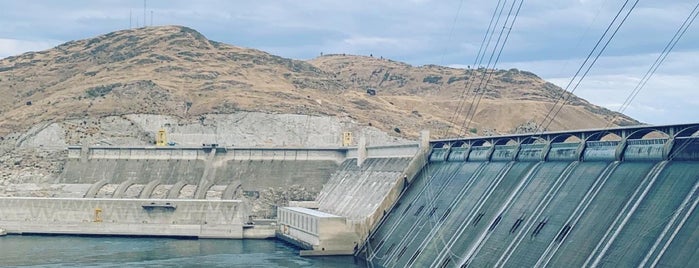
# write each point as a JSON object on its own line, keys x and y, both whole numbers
{"x": 666, "y": 98}
{"x": 669, "y": 96}
{"x": 11, "y": 47}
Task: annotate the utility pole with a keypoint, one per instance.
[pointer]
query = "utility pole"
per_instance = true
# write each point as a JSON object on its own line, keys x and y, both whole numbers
{"x": 151, "y": 18}
{"x": 130, "y": 17}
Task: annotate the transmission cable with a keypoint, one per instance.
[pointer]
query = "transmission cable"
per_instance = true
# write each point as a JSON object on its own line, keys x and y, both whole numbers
{"x": 480, "y": 57}
{"x": 485, "y": 69}
{"x": 551, "y": 115}
{"x": 497, "y": 59}
{"x": 485, "y": 43}
{"x": 658, "y": 61}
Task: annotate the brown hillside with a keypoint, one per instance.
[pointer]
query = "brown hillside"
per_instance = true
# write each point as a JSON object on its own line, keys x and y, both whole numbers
{"x": 176, "y": 71}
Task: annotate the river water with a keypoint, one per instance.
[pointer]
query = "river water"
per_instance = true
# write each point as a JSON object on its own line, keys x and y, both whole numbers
{"x": 72, "y": 251}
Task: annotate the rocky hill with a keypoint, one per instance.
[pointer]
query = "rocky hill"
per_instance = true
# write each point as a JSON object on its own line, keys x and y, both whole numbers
{"x": 176, "y": 71}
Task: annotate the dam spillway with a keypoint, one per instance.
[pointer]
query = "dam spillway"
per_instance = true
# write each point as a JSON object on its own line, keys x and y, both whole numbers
{"x": 610, "y": 197}
{"x": 584, "y": 203}
{"x": 206, "y": 191}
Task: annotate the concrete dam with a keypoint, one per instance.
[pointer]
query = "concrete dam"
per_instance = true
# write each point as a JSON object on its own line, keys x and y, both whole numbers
{"x": 607, "y": 197}
{"x": 204, "y": 192}
{"x": 569, "y": 199}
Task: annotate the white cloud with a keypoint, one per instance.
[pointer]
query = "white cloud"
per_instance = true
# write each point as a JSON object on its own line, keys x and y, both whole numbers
{"x": 11, "y": 47}
{"x": 665, "y": 99}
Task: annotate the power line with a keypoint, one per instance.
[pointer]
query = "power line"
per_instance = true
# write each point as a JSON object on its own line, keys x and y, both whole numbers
{"x": 659, "y": 60}
{"x": 565, "y": 97}
{"x": 497, "y": 59}
{"x": 480, "y": 61}
{"x": 467, "y": 87}
{"x": 451, "y": 33}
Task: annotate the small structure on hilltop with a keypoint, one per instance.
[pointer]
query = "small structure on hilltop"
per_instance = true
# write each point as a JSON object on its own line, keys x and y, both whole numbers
{"x": 371, "y": 91}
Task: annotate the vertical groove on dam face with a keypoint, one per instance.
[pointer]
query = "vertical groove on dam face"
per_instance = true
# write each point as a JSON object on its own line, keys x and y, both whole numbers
{"x": 564, "y": 213}
{"x": 655, "y": 210}
{"x": 682, "y": 250}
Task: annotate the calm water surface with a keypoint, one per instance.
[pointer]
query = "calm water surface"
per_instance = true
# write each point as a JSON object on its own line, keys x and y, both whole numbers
{"x": 71, "y": 251}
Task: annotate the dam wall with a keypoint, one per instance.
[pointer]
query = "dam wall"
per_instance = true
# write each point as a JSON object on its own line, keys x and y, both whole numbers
{"x": 358, "y": 195}
{"x": 624, "y": 203}
{"x": 132, "y": 217}
{"x": 118, "y": 181}
{"x": 203, "y": 172}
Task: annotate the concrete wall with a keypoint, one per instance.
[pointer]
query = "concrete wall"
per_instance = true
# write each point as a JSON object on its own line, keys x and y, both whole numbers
{"x": 317, "y": 232}
{"x": 401, "y": 150}
{"x": 364, "y": 194}
{"x": 363, "y": 227}
{"x": 191, "y": 153}
{"x": 257, "y": 168}
{"x": 193, "y": 218}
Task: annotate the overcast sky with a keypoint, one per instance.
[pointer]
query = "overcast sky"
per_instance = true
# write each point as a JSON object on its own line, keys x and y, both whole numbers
{"x": 550, "y": 38}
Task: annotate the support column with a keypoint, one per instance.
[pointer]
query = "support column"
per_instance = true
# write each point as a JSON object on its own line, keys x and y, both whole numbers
{"x": 84, "y": 153}
{"x": 424, "y": 139}
{"x": 361, "y": 150}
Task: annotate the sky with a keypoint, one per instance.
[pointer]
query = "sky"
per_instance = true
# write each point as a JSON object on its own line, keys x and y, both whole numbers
{"x": 549, "y": 38}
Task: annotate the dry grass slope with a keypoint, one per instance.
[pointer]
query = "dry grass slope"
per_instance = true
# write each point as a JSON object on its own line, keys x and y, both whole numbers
{"x": 175, "y": 70}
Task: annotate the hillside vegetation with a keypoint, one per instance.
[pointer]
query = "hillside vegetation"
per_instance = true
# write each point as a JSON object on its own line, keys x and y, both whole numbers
{"x": 176, "y": 71}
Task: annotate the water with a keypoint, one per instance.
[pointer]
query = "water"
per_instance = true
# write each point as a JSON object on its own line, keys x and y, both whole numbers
{"x": 71, "y": 251}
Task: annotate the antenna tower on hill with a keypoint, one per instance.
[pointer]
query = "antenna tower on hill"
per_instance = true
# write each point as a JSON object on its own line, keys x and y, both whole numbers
{"x": 144, "y": 13}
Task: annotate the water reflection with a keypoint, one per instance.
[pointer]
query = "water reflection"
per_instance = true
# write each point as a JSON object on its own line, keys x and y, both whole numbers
{"x": 65, "y": 251}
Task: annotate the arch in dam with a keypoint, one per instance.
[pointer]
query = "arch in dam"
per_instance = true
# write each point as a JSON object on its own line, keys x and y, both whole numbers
{"x": 533, "y": 140}
{"x": 505, "y": 141}
{"x": 603, "y": 136}
{"x": 149, "y": 188}
{"x": 232, "y": 190}
{"x": 107, "y": 190}
{"x": 133, "y": 191}
{"x": 646, "y": 134}
{"x": 160, "y": 191}
{"x": 188, "y": 191}
{"x": 458, "y": 144}
{"x": 480, "y": 142}
{"x": 95, "y": 188}
{"x": 119, "y": 192}
{"x": 566, "y": 138}
{"x": 174, "y": 192}
{"x": 688, "y": 132}
{"x": 441, "y": 145}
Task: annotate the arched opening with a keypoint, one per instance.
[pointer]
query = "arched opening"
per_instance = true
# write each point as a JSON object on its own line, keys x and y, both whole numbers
{"x": 133, "y": 191}
{"x": 566, "y": 138}
{"x": 107, "y": 190}
{"x": 459, "y": 144}
{"x": 215, "y": 192}
{"x": 440, "y": 145}
{"x": 188, "y": 191}
{"x": 647, "y": 133}
{"x": 506, "y": 141}
{"x": 604, "y": 136}
{"x": 533, "y": 140}
{"x": 477, "y": 143}
{"x": 160, "y": 191}
{"x": 688, "y": 132}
